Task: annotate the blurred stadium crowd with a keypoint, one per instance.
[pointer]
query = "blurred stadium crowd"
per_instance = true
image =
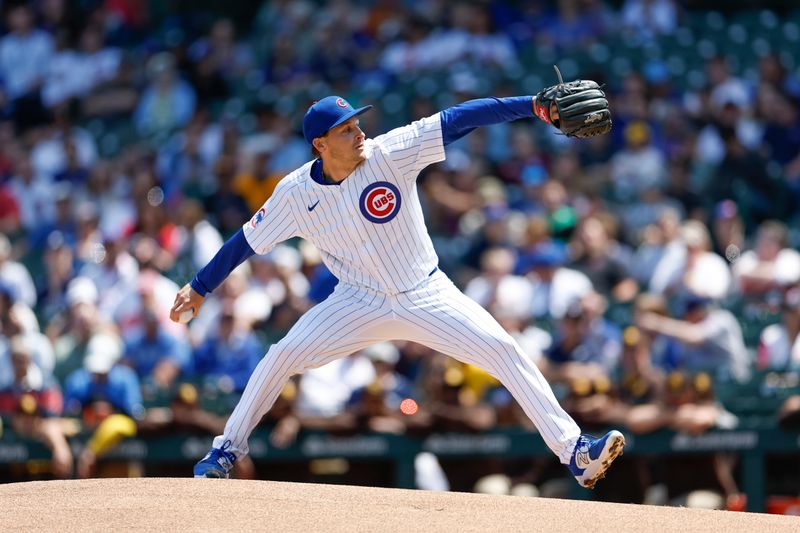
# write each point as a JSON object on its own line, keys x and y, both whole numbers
{"x": 652, "y": 273}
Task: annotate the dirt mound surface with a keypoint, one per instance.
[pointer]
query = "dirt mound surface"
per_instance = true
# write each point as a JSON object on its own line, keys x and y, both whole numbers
{"x": 176, "y": 504}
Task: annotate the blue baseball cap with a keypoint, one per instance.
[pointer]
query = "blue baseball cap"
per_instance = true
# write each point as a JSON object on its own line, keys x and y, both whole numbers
{"x": 695, "y": 301}
{"x": 545, "y": 255}
{"x": 326, "y": 114}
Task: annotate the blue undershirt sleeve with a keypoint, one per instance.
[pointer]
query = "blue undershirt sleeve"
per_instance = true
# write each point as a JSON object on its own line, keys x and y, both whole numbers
{"x": 232, "y": 254}
{"x": 461, "y": 119}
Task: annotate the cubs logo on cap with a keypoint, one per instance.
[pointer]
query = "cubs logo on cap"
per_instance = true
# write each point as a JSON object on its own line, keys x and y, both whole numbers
{"x": 258, "y": 217}
{"x": 380, "y": 202}
{"x": 326, "y": 114}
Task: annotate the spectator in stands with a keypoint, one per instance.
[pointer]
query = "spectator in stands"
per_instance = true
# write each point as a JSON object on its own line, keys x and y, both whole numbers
{"x": 199, "y": 238}
{"x": 226, "y": 207}
{"x": 743, "y": 176}
{"x": 575, "y": 23}
{"x": 662, "y": 353}
{"x": 148, "y": 292}
{"x": 206, "y": 77}
{"x": 377, "y": 405}
{"x": 643, "y": 386}
{"x": 597, "y": 255}
{"x": 59, "y": 261}
{"x": 155, "y": 237}
{"x": 58, "y": 229}
{"x": 325, "y": 391}
{"x": 710, "y": 339}
{"x": 649, "y": 18}
{"x": 116, "y": 97}
{"x": 230, "y": 58}
{"x": 33, "y": 195}
{"x": 497, "y": 287}
{"x": 115, "y": 275}
{"x": 586, "y": 344}
{"x": 293, "y": 149}
{"x": 640, "y": 380}
{"x": 657, "y": 243}
{"x": 782, "y": 128}
{"x": 694, "y": 269}
{"x": 639, "y": 166}
{"x": 25, "y": 54}
{"x": 108, "y": 189}
{"x": 779, "y": 346}
{"x": 648, "y": 398}
{"x": 473, "y": 39}
{"x": 287, "y": 263}
{"x": 48, "y": 155}
{"x": 72, "y": 172}
{"x": 408, "y": 54}
{"x": 444, "y": 401}
{"x": 88, "y": 239}
{"x": 168, "y": 102}
{"x": 728, "y": 231}
{"x": 228, "y": 356}
{"x": 100, "y": 63}
{"x": 255, "y": 183}
{"x": 100, "y": 380}
{"x": 554, "y": 285}
{"x": 772, "y": 264}
{"x": 772, "y": 72}
{"x": 15, "y": 316}
{"x": 72, "y": 331}
{"x": 106, "y": 396}
{"x": 14, "y": 274}
{"x": 156, "y": 355}
{"x": 64, "y": 78}
{"x": 32, "y": 402}
{"x": 710, "y": 148}
{"x": 555, "y": 202}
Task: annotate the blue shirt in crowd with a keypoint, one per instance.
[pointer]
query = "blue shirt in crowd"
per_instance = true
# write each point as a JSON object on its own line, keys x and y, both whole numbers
{"x": 144, "y": 353}
{"x": 120, "y": 387}
{"x": 235, "y": 359}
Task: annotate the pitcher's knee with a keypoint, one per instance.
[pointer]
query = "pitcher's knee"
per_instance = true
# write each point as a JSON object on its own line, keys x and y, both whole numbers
{"x": 504, "y": 349}
{"x": 290, "y": 358}
{"x": 505, "y": 345}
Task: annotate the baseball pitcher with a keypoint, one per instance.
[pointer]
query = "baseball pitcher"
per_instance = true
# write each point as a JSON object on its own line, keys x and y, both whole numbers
{"x": 357, "y": 202}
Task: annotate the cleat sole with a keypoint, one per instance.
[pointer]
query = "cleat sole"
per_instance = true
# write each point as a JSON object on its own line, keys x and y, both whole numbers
{"x": 614, "y": 451}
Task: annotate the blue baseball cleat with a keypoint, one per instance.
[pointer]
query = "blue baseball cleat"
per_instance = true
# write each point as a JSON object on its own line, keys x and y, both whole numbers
{"x": 592, "y": 457}
{"x": 217, "y": 463}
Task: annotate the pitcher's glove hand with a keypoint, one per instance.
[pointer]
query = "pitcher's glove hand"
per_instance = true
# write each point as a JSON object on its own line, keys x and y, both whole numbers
{"x": 578, "y": 108}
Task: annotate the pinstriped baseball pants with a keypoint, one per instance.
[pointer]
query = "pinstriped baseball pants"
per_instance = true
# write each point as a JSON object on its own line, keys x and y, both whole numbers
{"x": 435, "y": 314}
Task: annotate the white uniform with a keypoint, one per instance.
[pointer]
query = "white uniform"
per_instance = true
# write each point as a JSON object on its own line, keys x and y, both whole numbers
{"x": 372, "y": 236}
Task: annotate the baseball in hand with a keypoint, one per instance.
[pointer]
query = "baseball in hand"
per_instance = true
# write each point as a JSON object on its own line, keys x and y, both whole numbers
{"x": 186, "y": 316}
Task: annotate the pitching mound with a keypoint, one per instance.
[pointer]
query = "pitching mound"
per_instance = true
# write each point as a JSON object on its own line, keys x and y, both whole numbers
{"x": 187, "y": 504}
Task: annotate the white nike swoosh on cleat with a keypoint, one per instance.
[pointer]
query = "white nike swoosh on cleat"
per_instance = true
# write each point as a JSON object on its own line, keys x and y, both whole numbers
{"x": 582, "y": 459}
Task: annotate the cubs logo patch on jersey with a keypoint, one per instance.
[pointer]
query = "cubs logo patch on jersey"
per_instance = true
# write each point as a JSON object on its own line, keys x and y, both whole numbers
{"x": 258, "y": 217}
{"x": 380, "y": 202}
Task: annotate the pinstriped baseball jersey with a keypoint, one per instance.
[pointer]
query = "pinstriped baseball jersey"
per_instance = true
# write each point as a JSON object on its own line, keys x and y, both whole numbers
{"x": 369, "y": 228}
